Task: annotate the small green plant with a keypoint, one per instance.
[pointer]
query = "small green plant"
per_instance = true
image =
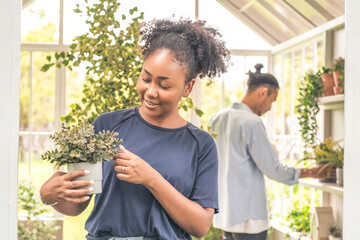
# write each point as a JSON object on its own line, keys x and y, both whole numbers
{"x": 326, "y": 70}
{"x": 329, "y": 153}
{"x": 79, "y": 143}
{"x": 31, "y": 227}
{"x": 299, "y": 219}
{"x": 310, "y": 91}
{"x": 335, "y": 231}
{"x": 339, "y": 65}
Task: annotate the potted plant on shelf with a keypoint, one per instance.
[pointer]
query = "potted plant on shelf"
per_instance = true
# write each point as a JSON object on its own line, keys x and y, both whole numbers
{"x": 335, "y": 233}
{"x": 310, "y": 90}
{"x": 338, "y": 73}
{"x": 330, "y": 155}
{"x": 328, "y": 80}
{"x": 80, "y": 148}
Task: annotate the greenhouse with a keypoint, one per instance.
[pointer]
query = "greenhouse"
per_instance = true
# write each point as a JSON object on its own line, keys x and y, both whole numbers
{"x": 56, "y": 68}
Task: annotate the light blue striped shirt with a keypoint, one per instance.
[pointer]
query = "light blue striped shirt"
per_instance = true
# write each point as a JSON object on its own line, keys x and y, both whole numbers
{"x": 245, "y": 155}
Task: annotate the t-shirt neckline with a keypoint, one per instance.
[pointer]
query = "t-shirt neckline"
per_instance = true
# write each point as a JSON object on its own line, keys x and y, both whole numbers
{"x": 157, "y": 127}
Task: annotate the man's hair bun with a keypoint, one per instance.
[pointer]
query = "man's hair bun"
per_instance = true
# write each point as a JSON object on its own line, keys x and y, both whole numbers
{"x": 258, "y": 67}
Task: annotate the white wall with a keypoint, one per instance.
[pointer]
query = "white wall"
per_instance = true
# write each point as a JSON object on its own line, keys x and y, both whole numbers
{"x": 10, "y": 11}
{"x": 352, "y": 121}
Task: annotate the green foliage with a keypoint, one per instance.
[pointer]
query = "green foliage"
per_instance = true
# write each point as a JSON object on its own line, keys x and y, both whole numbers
{"x": 79, "y": 143}
{"x": 339, "y": 64}
{"x": 299, "y": 218}
{"x": 112, "y": 55}
{"x": 329, "y": 153}
{"x": 33, "y": 228}
{"x": 310, "y": 91}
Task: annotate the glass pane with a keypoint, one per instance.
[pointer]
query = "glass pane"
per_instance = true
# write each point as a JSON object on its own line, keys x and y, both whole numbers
{"x": 235, "y": 33}
{"x": 40, "y": 170}
{"x": 309, "y": 58}
{"x": 40, "y": 22}
{"x": 74, "y": 84}
{"x": 162, "y": 8}
{"x": 74, "y": 23}
{"x": 234, "y": 80}
{"x": 24, "y": 91}
{"x": 210, "y": 99}
{"x": 24, "y": 157}
{"x": 43, "y": 102}
{"x": 320, "y": 54}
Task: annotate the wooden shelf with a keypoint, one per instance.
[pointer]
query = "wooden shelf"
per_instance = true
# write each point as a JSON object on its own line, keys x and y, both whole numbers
{"x": 332, "y": 102}
{"x": 327, "y": 187}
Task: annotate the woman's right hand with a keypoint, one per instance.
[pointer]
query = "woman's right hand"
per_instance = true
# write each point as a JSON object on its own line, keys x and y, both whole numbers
{"x": 60, "y": 188}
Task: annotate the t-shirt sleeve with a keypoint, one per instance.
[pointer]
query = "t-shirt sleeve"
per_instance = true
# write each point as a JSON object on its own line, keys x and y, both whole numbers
{"x": 206, "y": 185}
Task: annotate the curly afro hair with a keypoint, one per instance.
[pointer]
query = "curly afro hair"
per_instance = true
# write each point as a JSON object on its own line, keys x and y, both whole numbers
{"x": 195, "y": 45}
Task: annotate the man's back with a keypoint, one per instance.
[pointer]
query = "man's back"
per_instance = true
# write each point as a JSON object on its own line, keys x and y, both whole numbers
{"x": 245, "y": 154}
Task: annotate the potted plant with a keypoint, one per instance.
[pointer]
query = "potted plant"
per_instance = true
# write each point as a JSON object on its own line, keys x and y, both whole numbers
{"x": 310, "y": 90}
{"x": 338, "y": 73}
{"x": 335, "y": 233}
{"x": 33, "y": 219}
{"x": 330, "y": 155}
{"x": 80, "y": 148}
{"x": 328, "y": 80}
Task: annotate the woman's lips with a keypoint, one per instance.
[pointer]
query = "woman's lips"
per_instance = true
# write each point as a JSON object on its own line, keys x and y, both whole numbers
{"x": 150, "y": 104}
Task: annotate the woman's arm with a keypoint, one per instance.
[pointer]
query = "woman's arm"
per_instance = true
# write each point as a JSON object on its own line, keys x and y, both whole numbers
{"x": 60, "y": 192}
{"x": 189, "y": 215}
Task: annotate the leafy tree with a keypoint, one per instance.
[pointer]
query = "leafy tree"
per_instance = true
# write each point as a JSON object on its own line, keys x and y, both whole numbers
{"x": 113, "y": 59}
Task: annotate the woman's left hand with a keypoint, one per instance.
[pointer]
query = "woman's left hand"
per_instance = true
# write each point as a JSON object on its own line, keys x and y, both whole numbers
{"x": 131, "y": 168}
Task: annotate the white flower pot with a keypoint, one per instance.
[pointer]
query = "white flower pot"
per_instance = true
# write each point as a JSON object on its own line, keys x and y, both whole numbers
{"x": 339, "y": 177}
{"x": 95, "y": 174}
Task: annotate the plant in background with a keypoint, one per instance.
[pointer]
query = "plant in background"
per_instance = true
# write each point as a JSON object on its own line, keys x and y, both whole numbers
{"x": 310, "y": 91}
{"x": 111, "y": 52}
{"x": 79, "y": 143}
{"x": 299, "y": 219}
{"x": 338, "y": 73}
{"x": 329, "y": 153}
{"x": 32, "y": 227}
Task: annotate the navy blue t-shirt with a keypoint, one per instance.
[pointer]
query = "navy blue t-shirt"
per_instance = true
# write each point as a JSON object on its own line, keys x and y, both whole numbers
{"x": 186, "y": 157}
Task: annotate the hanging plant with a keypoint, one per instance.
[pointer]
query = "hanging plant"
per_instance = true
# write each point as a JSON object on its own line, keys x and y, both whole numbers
{"x": 310, "y": 90}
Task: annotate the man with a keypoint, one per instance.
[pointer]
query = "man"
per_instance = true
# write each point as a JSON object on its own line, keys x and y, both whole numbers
{"x": 245, "y": 155}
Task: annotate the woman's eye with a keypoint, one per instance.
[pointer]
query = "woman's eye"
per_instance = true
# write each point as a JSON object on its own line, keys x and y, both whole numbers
{"x": 146, "y": 80}
{"x": 165, "y": 87}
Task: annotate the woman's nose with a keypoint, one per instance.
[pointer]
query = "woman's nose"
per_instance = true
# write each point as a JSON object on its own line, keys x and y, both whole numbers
{"x": 152, "y": 91}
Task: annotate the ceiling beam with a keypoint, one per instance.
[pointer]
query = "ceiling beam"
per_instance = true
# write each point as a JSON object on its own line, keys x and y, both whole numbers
{"x": 26, "y": 3}
{"x": 280, "y": 17}
{"x": 285, "y": 4}
{"x": 227, "y": 4}
{"x": 320, "y": 9}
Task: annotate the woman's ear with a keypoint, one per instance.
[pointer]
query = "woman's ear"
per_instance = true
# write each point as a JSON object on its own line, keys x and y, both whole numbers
{"x": 188, "y": 87}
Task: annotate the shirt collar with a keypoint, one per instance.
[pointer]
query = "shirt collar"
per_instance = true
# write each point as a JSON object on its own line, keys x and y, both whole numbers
{"x": 237, "y": 105}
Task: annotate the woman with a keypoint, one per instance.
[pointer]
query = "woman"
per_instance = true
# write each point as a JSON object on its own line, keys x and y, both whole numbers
{"x": 163, "y": 184}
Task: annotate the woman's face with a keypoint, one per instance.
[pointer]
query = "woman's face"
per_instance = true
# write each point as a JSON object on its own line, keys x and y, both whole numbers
{"x": 161, "y": 85}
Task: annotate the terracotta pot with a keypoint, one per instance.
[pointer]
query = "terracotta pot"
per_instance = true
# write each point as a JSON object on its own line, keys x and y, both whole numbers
{"x": 328, "y": 91}
{"x": 328, "y": 80}
{"x": 337, "y": 81}
{"x": 338, "y": 90}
